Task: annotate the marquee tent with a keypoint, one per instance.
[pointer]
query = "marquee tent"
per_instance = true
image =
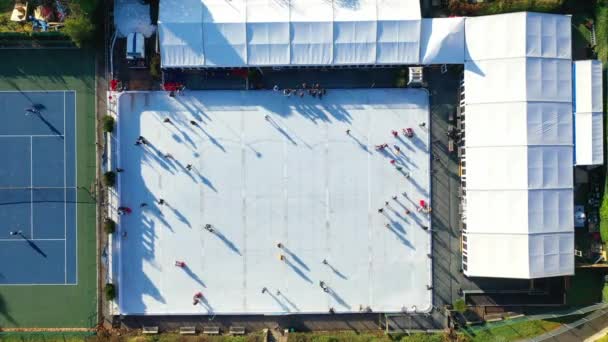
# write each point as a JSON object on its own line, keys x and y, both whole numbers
{"x": 588, "y": 108}
{"x": 442, "y": 41}
{"x": 519, "y": 181}
{"x": 241, "y": 33}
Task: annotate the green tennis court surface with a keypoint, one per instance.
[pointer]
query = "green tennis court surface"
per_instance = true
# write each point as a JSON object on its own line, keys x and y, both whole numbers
{"x": 48, "y": 271}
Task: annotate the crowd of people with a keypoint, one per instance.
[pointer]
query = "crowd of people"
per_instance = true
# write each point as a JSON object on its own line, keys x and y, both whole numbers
{"x": 315, "y": 90}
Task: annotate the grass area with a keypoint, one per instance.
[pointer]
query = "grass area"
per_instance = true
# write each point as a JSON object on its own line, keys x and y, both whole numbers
{"x": 520, "y": 330}
{"x": 256, "y": 337}
{"x": 366, "y": 337}
{"x": 59, "y": 306}
{"x": 585, "y": 288}
{"x": 46, "y": 337}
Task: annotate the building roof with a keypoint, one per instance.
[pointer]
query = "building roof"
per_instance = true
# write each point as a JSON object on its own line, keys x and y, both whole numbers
{"x": 519, "y": 146}
{"x": 588, "y": 108}
{"x": 239, "y": 33}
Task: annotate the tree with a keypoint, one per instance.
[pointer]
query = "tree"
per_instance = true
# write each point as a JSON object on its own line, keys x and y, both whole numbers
{"x": 109, "y": 226}
{"x": 108, "y": 124}
{"x": 79, "y": 28}
{"x": 109, "y": 178}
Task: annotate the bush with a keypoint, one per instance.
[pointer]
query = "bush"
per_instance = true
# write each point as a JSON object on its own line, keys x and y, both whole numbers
{"x": 109, "y": 178}
{"x": 79, "y": 28}
{"x": 401, "y": 78}
{"x": 460, "y": 306}
{"x": 108, "y": 124}
{"x": 110, "y": 291}
{"x": 155, "y": 67}
{"x": 109, "y": 226}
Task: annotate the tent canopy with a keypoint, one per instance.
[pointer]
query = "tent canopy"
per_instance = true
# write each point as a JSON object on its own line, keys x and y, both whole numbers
{"x": 240, "y": 33}
{"x": 518, "y": 146}
{"x": 588, "y": 108}
{"x": 442, "y": 41}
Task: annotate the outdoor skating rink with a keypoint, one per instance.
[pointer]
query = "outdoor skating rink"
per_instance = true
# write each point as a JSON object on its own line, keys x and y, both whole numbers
{"x": 296, "y": 178}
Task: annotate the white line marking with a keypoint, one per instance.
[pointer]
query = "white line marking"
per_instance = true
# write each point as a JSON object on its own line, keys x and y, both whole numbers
{"x": 65, "y": 203}
{"x": 76, "y": 192}
{"x": 24, "y": 240}
{"x": 31, "y": 188}
{"x": 31, "y": 135}
{"x": 29, "y": 284}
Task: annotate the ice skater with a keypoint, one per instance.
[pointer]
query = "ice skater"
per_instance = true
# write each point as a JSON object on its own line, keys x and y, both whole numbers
{"x": 124, "y": 210}
{"x": 167, "y": 120}
{"x": 397, "y": 149}
{"x": 348, "y": 132}
{"x": 209, "y": 227}
{"x": 193, "y": 123}
{"x": 141, "y": 140}
{"x": 189, "y": 167}
{"x": 180, "y": 264}
{"x": 395, "y": 133}
{"x": 197, "y": 298}
{"x": 381, "y": 210}
{"x": 393, "y": 161}
{"x": 324, "y": 286}
{"x": 143, "y": 205}
{"x": 161, "y": 201}
{"x": 119, "y": 169}
{"x": 422, "y": 124}
{"x": 394, "y": 198}
{"x": 31, "y": 110}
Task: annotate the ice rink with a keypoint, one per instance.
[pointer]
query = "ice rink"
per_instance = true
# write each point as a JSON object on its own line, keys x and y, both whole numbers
{"x": 268, "y": 169}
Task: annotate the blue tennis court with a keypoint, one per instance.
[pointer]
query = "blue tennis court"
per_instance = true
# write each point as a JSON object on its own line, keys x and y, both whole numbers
{"x": 38, "y": 188}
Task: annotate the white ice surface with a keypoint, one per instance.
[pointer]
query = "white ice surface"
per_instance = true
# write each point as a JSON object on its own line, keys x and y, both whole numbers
{"x": 295, "y": 178}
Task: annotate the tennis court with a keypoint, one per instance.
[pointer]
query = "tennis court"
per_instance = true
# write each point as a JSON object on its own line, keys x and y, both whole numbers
{"x": 38, "y": 192}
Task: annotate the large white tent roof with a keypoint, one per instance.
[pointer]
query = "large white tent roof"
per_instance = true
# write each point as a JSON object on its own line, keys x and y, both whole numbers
{"x": 588, "y": 108}
{"x": 518, "y": 158}
{"x": 442, "y": 41}
{"x": 521, "y": 34}
{"x": 239, "y": 33}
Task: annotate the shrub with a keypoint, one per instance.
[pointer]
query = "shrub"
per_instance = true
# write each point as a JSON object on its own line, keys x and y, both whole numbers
{"x": 109, "y": 178}
{"x": 108, "y": 124}
{"x": 155, "y": 71}
{"x": 79, "y": 28}
{"x": 401, "y": 78}
{"x": 460, "y": 306}
{"x": 109, "y": 226}
{"x": 604, "y": 219}
{"x": 110, "y": 291}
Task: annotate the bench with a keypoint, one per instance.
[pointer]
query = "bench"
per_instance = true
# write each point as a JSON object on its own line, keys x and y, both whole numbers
{"x": 211, "y": 330}
{"x": 187, "y": 331}
{"x": 237, "y": 330}
{"x": 149, "y": 330}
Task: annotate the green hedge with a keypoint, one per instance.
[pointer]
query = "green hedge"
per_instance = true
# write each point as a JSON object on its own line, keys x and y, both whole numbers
{"x": 497, "y": 7}
{"x": 50, "y": 35}
{"x": 110, "y": 291}
{"x": 601, "y": 31}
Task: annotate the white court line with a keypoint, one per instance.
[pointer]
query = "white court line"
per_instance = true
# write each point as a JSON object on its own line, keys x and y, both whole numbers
{"x": 31, "y": 188}
{"x": 76, "y": 192}
{"x": 34, "y": 91}
{"x": 25, "y": 240}
{"x": 30, "y": 284}
{"x": 31, "y": 135}
{"x": 65, "y": 204}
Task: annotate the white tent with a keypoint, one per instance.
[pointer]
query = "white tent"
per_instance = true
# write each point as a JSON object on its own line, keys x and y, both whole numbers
{"x": 588, "y": 108}
{"x": 518, "y": 147}
{"x": 515, "y": 35}
{"x": 442, "y": 41}
{"x": 240, "y": 33}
